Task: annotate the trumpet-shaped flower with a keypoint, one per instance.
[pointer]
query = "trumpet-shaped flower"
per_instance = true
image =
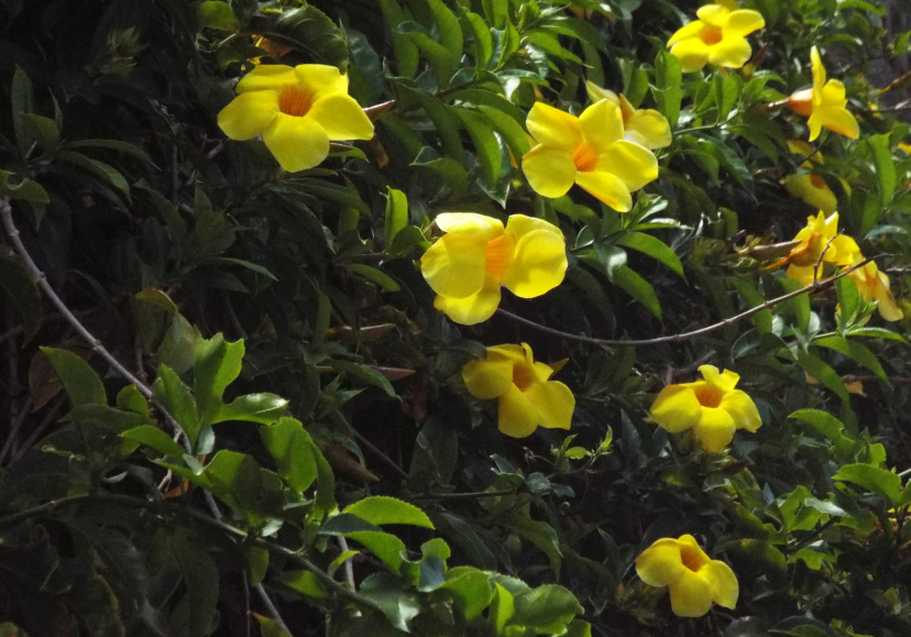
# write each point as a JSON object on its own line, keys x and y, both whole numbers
{"x": 477, "y": 255}
{"x": 712, "y": 408}
{"x": 298, "y": 111}
{"x": 808, "y": 186}
{"x": 824, "y": 103}
{"x": 645, "y": 126}
{"x": 820, "y": 243}
{"x": 528, "y": 399}
{"x": 717, "y": 37}
{"x": 873, "y": 285}
{"x": 589, "y": 151}
{"x": 694, "y": 579}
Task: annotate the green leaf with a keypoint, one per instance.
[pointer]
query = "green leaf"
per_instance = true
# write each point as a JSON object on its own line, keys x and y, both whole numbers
{"x": 548, "y": 609}
{"x": 819, "y": 370}
{"x": 669, "y": 86}
{"x": 291, "y": 447}
{"x": 829, "y": 427}
{"x": 259, "y": 408}
{"x": 311, "y": 31}
{"x": 365, "y": 374}
{"x": 21, "y": 292}
{"x": 235, "y": 479}
{"x": 638, "y": 288}
{"x": 502, "y": 609}
{"x": 885, "y": 483}
{"x": 375, "y": 275}
{"x": 471, "y": 589}
{"x": 487, "y": 148}
{"x": 482, "y": 39}
{"x": 655, "y": 248}
{"x": 849, "y": 301}
{"x": 130, "y": 399}
{"x": 406, "y": 53}
{"x": 102, "y": 171}
{"x": 387, "y": 548}
{"x": 179, "y": 401}
{"x": 116, "y": 145}
{"x": 442, "y": 61}
{"x": 21, "y": 103}
{"x": 257, "y": 558}
{"x": 399, "y": 606}
{"x": 855, "y": 351}
{"x": 396, "y": 215}
{"x": 154, "y": 438}
{"x": 201, "y": 579}
{"x": 877, "y": 332}
{"x": 512, "y": 131}
{"x": 216, "y": 14}
{"x": 381, "y": 509}
{"x": 44, "y": 130}
{"x": 449, "y": 31}
{"x": 22, "y": 189}
{"x": 217, "y": 364}
{"x": 82, "y": 385}
{"x": 269, "y": 627}
{"x": 886, "y": 175}
{"x": 303, "y": 582}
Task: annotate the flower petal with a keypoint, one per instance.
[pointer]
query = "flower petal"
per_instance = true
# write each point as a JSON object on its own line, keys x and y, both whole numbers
{"x": 341, "y": 117}
{"x": 888, "y": 308}
{"x": 550, "y": 171}
{"x": 298, "y": 143}
{"x": 843, "y": 251}
{"x": 607, "y": 188}
{"x": 838, "y": 120}
{"x": 482, "y": 225}
{"x": 321, "y": 79}
{"x": 693, "y": 54}
{"x": 725, "y": 381}
{"x": 715, "y": 429}
{"x": 552, "y": 127}
{"x": 636, "y": 165}
{"x": 267, "y": 77}
{"x": 555, "y": 403}
{"x": 517, "y": 417}
{"x": 596, "y": 93}
{"x": 732, "y": 52}
{"x": 803, "y": 274}
{"x": 676, "y": 408}
{"x": 515, "y": 354}
{"x": 744, "y": 22}
{"x": 649, "y": 128}
{"x": 687, "y": 31}
{"x": 602, "y": 124}
{"x": 814, "y": 123}
{"x": 454, "y": 264}
{"x": 471, "y": 310}
{"x": 713, "y": 14}
{"x": 539, "y": 261}
{"x": 806, "y": 188}
{"x": 691, "y": 595}
{"x": 725, "y": 587}
{"x": 742, "y": 410}
{"x": 834, "y": 93}
{"x": 487, "y": 379}
{"x": 660, "y": 564}
{"x": 819, "y": 73}
{"x": 248, "y": 114}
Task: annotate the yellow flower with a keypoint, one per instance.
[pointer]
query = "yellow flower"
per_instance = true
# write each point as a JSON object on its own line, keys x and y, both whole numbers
{"x": 810, "y": 187}
{"x": 711, "y": 407}
{"x": 824, "y": 103}
{"x": 873, "y": 285}
{"x": 296, "y": 110}
{"x": 820, "y": 243}
{"x": 647, "y": 127}
{"x": 693, "y": 578}
{"x": 527, "y": 398}
{"x": 717, "y": 37}
{"x": 589, "y": 151}
{"x": 477, "y": 255}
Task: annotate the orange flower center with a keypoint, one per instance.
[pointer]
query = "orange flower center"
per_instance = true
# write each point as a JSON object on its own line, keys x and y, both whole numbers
{"x": 523, "y": 376}
{"x": 498, "y": 255}
{"x": 817, "y": 181}
{"x": 710, "y": 35}
{"x": 585, "y": 157}
{"x": 294, "y": 100}
{"x": 691, "y": 558}
{"x": 801, "y": 102}
{"x": 709, "y": 396}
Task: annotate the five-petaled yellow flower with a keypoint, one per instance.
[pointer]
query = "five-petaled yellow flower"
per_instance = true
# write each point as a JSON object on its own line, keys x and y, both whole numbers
{"x": 712, "y": 408}
{"x": 718, "y": 37}
{"x": 873, "y": 285}
{"x": 824, "y": 103}
{"x": 820, "y": 243}
{"x": 809, "y": 186}
{"x": 694, "y": 579}
{"x": 645, "y": 126}
{"x": 477, "y": 255}
{"x": 528, "y": 399}
{"x": 298, "y": 111}
{"x": 589, "y": 151}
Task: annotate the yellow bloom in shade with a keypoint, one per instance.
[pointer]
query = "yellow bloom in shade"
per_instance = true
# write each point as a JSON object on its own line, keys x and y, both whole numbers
{"x": 712, "y": 408}
{"x": 644, "y": 126}
{"x": 477, "y": 255}
{"x": 810, "y": 187}
{"x": 718, "y": 37}
{"x": 820, "y": 243}
{"x": 694, "y": 580}
{"x": 589, "y": 151}
{"x": 298, "y": 111}
{"x": 824, "y": 103}
{"x": 527, "y": 398}
{"x": 873, "y": 285}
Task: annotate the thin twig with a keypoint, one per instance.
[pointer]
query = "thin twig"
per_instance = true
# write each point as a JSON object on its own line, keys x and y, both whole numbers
{"x": 15, "y": 425}
{"x": 270, "y": 606}
{"x": 682, "y": 336}
{"x": 464, "y": 495}
{"x": 19, "y": 450}
{"x": 349, "y": 568}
